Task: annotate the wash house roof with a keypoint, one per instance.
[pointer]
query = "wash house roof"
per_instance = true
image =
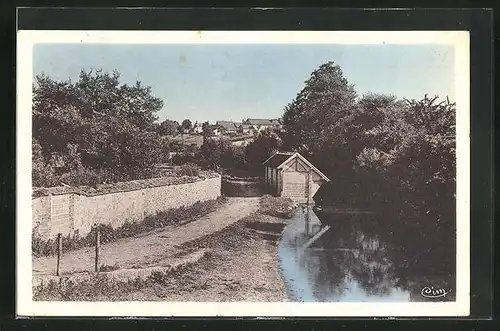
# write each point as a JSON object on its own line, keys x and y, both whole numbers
{"x": 277, "y": 159}
{"x": 280, "y": 159}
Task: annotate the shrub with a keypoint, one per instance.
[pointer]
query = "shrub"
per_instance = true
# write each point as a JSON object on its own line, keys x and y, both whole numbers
{"x": 189, "y": 169}
{"x": 40, "y": 247}
{"x": 277, "y": 206}
{"x": 157, "y": 277}
{"x": 107, "y": 268}
{"x": 89, "y": 177}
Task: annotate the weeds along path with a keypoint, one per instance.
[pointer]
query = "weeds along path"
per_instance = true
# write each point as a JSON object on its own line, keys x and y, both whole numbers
{"x": 150, "y": 248}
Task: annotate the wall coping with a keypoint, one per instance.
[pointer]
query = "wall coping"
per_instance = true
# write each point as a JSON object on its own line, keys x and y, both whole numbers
{"x": 134, "y": 185}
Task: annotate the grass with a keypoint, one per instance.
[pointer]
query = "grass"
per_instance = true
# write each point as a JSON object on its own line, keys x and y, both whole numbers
{"x": 277, "y": 206}
{"x": 234, "y": 245}
{"x": 174, "y": 216}
{"x": 107, "y": 268}
{"x": 102, "y": 286}
{"x": 188, "y": 139}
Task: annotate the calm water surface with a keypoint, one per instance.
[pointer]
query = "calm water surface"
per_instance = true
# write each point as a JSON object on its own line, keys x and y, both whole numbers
{"x": 360, "y": 260}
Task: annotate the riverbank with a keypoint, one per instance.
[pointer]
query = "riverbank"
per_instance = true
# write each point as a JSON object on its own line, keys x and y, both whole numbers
{"x": 238, "y": 263}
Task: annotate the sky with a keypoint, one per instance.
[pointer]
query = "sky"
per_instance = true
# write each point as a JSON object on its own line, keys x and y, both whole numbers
{"x": 213, "y": 82}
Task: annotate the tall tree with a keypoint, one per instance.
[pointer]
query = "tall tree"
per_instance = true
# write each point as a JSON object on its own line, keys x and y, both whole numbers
{"x": 264, "y": 145}
{"x": 105, "y": 124}
{"x": 169, "y": 127}
{"x": 186, "y": 125}
{"x": 207, "y": 131}
{"x": 215, "y": 153}
{"x": 316, "y": 120}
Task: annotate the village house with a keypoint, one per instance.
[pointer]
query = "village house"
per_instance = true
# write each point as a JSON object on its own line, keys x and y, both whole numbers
{"x": 197, "y": 128}
{"x": 227, "y": 127}
{"x": 291, "y": 175}
{"x": 244, "y": 128}
{"x": 259, "y": 124}
{"x": 216, "y": 130}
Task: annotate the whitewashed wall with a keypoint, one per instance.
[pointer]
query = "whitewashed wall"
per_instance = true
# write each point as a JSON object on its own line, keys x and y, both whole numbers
{"x": 68, "y": 213}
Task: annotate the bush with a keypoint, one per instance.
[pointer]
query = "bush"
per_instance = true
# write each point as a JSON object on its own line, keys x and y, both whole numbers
{"x": 107, "y": 268}
{"x": 277, "y": 206}
{"x": 89, "y": 177}
{"x": 40, "y": 247}
{"x": 189, "y": 169}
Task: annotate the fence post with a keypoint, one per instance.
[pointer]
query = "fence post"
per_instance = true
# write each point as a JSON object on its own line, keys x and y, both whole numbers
{"x": 59, "y": 253}
{"x": 97, "y": 239}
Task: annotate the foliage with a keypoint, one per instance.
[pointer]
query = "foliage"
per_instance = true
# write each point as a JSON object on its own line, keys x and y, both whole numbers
{"x": 215, "y": 153}
{"x": 93, "y": 123}
{"x": 277, "y": 206}
{"x": 97, "y": 286}
{"x": 415, "y": 153}
{"x": 43, "y": 174}
{"x": 108, "y": 268}
{"x": 189, "y": 169}
{"x": 316, "y": 120}
{"x": 396, "y": 156}
{"x": 264, "y": 145}
{"x": 169, "y": 128}
{"x": 186, "y": 125}
{"x": 102, "y": 285}
{"x": 207, "y": 131}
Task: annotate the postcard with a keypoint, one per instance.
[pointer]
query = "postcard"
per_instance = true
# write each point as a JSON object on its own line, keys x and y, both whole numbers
{"x": 243, "y": 173}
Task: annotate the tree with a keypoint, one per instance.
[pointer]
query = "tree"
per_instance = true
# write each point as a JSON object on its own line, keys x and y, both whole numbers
{"x": 264, "y": 145}
{"x": 214, "y": 153}
{"x": 96, "y": 123}
{"x": 315, "y": 121}
{"x": 186, "y": 125}
{"x": 42, "y": 174}
{"x": 414, "y": 151}
{"x": 169, "y": 127}
{"x": 207, "y": 131}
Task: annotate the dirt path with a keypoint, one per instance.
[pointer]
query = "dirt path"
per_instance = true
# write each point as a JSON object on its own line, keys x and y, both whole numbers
{"x": 152, "y": 248}
{"x": 242, "y": 267}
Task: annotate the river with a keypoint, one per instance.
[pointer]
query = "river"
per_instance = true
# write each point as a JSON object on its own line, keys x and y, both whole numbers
{"x": 362, "y": 259}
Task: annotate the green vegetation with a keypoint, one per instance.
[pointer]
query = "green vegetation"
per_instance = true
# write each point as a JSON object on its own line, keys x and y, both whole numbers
{"x": 96, "y": 130}
{"x": 396, "y": 156}
{"x": 276, "y": 206}
{"x": 93, "y": 130}
{"x": 393, "y": 156}
{"x": 100, "y": 285}
{"x": 187, "y": 139}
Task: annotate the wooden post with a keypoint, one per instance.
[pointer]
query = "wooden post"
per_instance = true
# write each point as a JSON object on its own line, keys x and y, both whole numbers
{"x": 307, "y": 220}
{"x": 309, "y": 183}
{"x": 59, "y": 253}
{"x": 97, "y": 239}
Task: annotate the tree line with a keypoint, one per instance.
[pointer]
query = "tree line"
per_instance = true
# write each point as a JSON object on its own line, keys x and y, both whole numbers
{"x": 381, "y": 153}
{"x": 99, "y": 130}
{"x": 378, "y": 150}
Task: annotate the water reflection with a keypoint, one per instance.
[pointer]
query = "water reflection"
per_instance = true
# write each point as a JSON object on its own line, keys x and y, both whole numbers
{"x": 359, "y": 260}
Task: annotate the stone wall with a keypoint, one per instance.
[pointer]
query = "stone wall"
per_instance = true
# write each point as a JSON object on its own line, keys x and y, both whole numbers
{"x": 71, "y": 213}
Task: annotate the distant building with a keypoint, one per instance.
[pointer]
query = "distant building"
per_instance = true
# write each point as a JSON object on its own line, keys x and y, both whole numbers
{"x": 291, "y": 175}
{"x": 216, "y": 130}
{"x": 197, "y": 128}
{"x": 245, "y": 128}
{"x": 227, "y": 127}
{"x": 260, "y": 124}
